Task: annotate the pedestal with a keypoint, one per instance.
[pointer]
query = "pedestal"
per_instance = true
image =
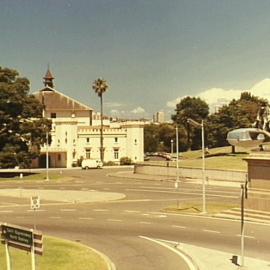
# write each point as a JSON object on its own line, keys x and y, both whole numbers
{"x": 259, "y": 181}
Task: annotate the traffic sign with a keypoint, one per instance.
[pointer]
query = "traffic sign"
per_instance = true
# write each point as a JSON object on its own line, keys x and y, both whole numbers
{"x": 35, "y": 202}
{"x": 22, "y": 238}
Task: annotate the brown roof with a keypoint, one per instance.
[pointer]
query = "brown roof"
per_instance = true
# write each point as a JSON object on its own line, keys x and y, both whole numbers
{"x": 54, "y": 100}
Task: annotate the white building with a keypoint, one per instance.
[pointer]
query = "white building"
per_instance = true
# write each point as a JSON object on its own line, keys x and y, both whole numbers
{"x": 159, "y": 117}
{"x": 76, "y": 129}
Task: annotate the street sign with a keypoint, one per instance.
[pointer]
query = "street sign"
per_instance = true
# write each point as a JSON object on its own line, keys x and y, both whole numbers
{"x": 17, "y": 235}
{"x": 35, "y": 202}
{"x": 22, "y": 238}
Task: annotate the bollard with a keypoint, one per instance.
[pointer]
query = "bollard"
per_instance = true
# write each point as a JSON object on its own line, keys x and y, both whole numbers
{"x": 21, "y": 175}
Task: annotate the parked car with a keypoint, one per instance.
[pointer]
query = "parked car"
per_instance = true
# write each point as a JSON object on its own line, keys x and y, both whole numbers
{"x": 91, "y": 163}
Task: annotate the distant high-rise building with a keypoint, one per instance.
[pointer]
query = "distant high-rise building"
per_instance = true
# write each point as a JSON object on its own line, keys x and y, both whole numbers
{"x": 159, "y": 117}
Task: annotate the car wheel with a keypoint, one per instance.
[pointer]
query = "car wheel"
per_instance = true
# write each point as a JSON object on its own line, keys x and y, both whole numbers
{"x": 86, "y": 168}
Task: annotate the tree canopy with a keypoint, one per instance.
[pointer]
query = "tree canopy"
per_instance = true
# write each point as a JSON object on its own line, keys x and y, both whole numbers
{"x": 22, "y": 128}
{"x": 194, "y": 108}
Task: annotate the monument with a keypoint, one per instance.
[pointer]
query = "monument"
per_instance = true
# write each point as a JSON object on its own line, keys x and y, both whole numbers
{"x": 258, "y": 172}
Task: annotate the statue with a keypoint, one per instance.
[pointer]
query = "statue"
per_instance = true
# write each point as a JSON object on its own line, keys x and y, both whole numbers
{"x": 263, "y": 119}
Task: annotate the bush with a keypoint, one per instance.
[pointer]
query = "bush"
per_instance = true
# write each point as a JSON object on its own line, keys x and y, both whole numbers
{"x": 109, "y": 163}
{"x": 125, "y": 161}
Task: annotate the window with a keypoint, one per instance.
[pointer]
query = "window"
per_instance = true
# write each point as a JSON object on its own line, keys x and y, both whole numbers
{"x": 59, "y": 157}
{"x": 116, "y": 153}
{"x": 115, "y": 139}
{"x": 88, "y": 140}
{"x": 53, "y": 115}
{"x": 135, "y": 141}
{"x": 87, "y": 153}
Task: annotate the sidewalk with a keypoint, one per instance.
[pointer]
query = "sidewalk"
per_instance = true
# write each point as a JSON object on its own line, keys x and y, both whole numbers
{"x": 210, "y": 259}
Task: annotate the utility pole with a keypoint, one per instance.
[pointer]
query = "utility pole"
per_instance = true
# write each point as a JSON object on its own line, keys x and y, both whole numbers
{"x": 47, "y": 156}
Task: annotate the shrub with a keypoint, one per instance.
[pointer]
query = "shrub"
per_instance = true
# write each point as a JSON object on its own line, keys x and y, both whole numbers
{"x": 125, "y": 161}
{"x": 109, "y": 163}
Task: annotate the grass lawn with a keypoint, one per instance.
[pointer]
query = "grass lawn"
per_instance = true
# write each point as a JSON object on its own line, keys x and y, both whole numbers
{"x": 196, "y": 207}
{"x": 216, "y": 158}
{"x": 58, "y": 255}
{"x": 14, "y": 176}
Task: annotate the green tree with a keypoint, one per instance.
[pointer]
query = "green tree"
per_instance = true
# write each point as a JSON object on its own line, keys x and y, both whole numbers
{"x": 157, "y": 138}
{"x": 196, "y": 109}
{"x": 238, "y": 113}
{"x": 22, "y": 128}
{"x": 100, "y": 86}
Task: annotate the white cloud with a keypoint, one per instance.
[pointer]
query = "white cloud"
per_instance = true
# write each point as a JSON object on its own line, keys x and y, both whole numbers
{"x": 113, "y": 104}
{"x": 138, "y": 110}
{"x": 216, "y": 97}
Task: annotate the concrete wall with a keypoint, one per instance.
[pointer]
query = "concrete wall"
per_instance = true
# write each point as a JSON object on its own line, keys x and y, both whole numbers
{"x": 223, "y": 175}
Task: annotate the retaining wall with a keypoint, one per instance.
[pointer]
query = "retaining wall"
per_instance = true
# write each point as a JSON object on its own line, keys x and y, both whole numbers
{"x": 193, "y": 173}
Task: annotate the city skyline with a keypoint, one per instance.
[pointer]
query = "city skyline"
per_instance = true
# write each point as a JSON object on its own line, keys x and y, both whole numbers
{"x": 152, "y": 53}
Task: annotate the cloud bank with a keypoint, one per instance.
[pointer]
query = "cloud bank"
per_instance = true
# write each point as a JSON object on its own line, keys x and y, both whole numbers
{"x": 216, "y": 97}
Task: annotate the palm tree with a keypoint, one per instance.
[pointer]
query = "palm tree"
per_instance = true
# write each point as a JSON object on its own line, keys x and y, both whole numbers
{"x": 100, "y": 86}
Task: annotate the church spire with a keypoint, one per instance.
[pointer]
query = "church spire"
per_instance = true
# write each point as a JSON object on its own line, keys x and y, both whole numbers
{"x": 48, "y": 78}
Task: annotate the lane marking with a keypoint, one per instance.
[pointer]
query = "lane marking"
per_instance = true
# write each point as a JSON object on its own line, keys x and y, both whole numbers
{"x": 55, "y": 217}
{"x": 246, "y": 236}
{"x": 37, "y": 210}
{"x": 86, "y": 218}
{"x": 179, "y": 227}
{"x": 211, "y": 231}
{"x": 145, "y": 214}
{"x": 185, "y": 257}
{"x": 179, "y": 192}
{"x": 6, "y": 211}
{"x": 114, "y": 220}
{"x": 132, "y": 211}
{"x": 145, "y": 222}
{"x": 68, "y": 210}
{"x": 100, "y": 210}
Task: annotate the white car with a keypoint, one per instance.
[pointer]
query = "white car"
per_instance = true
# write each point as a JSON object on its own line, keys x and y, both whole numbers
{"x": 91, "y": 163}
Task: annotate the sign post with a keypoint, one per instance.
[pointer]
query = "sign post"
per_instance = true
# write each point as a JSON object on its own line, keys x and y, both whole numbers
{"x": 21, "y": 238}
{"x": 35, "y": 204}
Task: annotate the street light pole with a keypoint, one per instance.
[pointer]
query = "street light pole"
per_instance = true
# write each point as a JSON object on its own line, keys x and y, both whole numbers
{"x": 171, "y": 147}
{"x": 47, "y": 156}
{"x": 203, "y": 169}
{"x": 177, "y": 158}
{"x": 196, "y": 124}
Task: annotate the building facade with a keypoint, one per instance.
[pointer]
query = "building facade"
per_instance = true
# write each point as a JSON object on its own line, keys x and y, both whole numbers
{"x": 75, "y": 133}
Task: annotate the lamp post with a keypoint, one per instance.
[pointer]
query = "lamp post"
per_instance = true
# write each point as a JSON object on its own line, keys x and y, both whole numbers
{"x": 177, "y": 158}
{"x": 47, "y": 156}
{"x": 171, "y": 147}
{"x": 196, "y": 124}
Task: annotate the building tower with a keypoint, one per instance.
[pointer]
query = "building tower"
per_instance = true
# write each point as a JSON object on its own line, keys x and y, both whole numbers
{"x": 48, "y": 79}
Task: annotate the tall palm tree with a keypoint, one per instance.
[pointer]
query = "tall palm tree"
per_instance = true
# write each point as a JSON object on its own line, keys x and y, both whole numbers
{"x": 100, "y": 86}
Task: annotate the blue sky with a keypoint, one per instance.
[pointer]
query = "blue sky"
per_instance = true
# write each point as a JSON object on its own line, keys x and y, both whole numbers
{"x": 151, "y": 52}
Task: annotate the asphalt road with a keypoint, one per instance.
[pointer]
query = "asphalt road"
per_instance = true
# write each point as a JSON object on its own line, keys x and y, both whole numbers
{"x": 115, "y": 228}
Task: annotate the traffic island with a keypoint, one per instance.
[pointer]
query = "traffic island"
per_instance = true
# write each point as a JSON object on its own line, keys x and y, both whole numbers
{"x": 58, "y": 254}
{"x": 213, "y": 208}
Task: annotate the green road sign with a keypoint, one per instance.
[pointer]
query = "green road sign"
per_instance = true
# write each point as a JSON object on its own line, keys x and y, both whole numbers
{"x": 17, "y": 235}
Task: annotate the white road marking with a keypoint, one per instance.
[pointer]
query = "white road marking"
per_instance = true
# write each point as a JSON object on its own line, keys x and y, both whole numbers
{"x": 6, "y": 211}
{"x": 114, "y": 220}
{"x": 86, "y": 218}
{"x": 211, "y": 231}
{"x": 55, "y": 217}
{"x": 185, "y": 193}
{"x": 162, "y": 216}
{"x": 100, "y": 210}
{"x": 132, "y": 211}
{"x": 145, "y": 214}
{"x": 178, "y": 252}
{"x": 68, "y": 210}
{"x": 246, "y": 236}
{"x": 145, "y": 222}
{"x": 179, "y": 227}
{"x": 37, "y": 210}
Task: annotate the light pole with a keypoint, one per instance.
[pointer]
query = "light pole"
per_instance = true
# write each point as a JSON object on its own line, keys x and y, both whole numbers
{"x": 171, "y": 147}
{"x": 47, "y": 156}
{"x": 196, "y": 124}
{"x": 177, "y": 159}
